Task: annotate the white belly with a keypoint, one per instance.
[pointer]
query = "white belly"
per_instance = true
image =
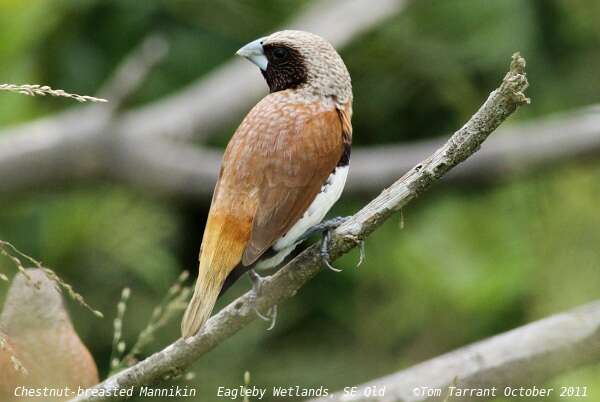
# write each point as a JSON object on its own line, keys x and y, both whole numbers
{"x": 329, "y": 194}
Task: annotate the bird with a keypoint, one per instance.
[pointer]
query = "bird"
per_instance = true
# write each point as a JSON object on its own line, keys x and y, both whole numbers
{"x": 283, "y": 169}
{"x": 41, "y": 347}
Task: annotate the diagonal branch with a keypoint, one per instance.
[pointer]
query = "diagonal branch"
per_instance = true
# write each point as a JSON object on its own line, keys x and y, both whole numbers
{"x": 283, "y": 285}
{"x": 525, "y": 356}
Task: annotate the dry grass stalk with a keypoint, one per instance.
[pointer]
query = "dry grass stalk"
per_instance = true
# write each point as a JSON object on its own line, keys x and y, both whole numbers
{"x": 174, "y": 302}
{"x": 15, "y": 255}
{"x": 118, "y": 346}
{"x": 16, "y": 363}
{"x": 43, "y": 90}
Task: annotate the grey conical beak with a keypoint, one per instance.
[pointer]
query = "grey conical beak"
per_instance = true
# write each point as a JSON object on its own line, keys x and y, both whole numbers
{"x": 254, "y": 52}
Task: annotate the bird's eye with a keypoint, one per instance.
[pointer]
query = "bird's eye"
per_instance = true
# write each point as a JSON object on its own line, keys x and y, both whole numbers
{"x": 280, "y": 53}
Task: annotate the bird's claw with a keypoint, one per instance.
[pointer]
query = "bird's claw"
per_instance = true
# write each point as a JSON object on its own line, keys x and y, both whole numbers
{"x": 325, "y": 245}
{"x": 271, "y": 315}
{"x": 325, "y": 251}
{"x": 361, "y": 257}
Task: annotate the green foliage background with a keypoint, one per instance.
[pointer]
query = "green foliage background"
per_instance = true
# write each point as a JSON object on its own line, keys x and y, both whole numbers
{"x": 470, "y": 261}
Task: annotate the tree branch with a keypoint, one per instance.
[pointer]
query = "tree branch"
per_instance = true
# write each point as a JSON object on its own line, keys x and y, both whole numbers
{"x": 178, "y": 170}
{"x": 528, "y": 355}
{"x": 94, "y": 142}
{"x": 288, "y": 280}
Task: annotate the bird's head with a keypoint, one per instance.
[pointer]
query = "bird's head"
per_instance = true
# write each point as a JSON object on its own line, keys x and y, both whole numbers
{"x": 298, "y": 59}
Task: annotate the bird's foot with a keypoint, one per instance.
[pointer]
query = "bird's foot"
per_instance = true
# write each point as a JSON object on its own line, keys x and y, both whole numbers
{"x": 324, "y": 226}
{"x": 271, "y": 315}
{"x": 324, "y": 251}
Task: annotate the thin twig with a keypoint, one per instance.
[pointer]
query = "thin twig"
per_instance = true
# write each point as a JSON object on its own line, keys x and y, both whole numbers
{"x": 284, "y": 284}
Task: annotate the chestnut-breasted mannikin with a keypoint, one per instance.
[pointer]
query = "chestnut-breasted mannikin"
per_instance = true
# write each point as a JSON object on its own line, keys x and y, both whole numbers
{"x": 283, "y": 169}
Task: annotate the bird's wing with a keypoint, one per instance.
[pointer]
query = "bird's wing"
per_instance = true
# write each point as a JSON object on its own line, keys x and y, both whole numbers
{"x": 273, "y": 168}
{"x": 307, "y": 145}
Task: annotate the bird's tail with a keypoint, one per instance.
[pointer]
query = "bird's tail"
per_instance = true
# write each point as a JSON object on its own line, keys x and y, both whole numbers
{"x": 206, "y": 292}
{"x": 223, "y": 243}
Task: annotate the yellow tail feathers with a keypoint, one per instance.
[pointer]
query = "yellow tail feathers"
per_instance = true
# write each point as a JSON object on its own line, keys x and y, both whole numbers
{"x": 224, "y": 241}
{"x": 203, "y": 301}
